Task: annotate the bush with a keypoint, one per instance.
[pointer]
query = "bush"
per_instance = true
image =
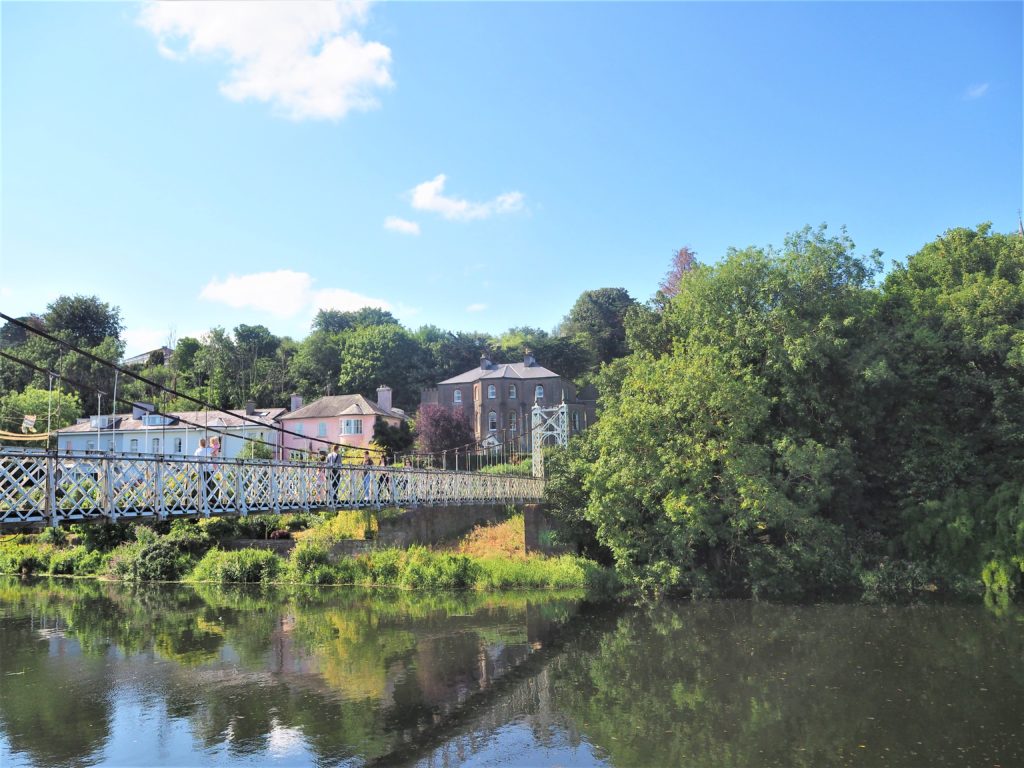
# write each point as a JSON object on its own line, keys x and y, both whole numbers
{"x": 25, "y": 559}
{"x": 102, "y": 536}
{"x": 423, "y": 569}
{"x": 247, "y": 566}
{"x": 56, "y": 536}
{"x": 76, "y": 561}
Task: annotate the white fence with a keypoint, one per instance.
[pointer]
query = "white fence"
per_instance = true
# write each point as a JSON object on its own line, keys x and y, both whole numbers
{"x": 52, "y": 488}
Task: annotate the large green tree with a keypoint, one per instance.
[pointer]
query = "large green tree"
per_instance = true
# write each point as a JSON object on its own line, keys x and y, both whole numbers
{"x": 597, "y": 322}
{"x": 727, "y": 463}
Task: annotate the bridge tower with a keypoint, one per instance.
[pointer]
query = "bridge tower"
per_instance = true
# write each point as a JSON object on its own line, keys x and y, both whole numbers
{"x": 550, "y": 426}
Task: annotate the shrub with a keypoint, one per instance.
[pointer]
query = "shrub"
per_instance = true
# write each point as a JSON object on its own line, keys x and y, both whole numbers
{"x": 56, "y": 536}
{"x": 76, "y": 561}
{"x": 306, "y": 556}
{"x": 25, "y": 559}
{"x": 103, "y": 536}
{"x": 247, "y": 566}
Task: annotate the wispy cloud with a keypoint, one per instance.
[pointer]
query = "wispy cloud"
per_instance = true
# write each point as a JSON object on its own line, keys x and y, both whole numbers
{"x": 476, "y": 307}
{"x": 429, "y": 196}
{"x": 976, "y": 91}
{"x": 307, "y": 59}
{"x": 396, "y": 224}
{"x": 283, "y": 293}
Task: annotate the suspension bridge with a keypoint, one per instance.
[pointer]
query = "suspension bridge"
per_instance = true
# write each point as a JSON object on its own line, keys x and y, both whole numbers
{"x": 39, "y": 487}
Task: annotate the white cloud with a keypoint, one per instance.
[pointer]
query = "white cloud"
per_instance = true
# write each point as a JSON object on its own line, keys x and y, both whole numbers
{"x": 283, "y": 293}
{"x": 976, "y": 91}
{"x": 307, "y": 59}
{"x": 476, "y": 307}
{"x": 396, "y": 224}
{"x": 345, "y": 301}
{"x": 429, "y": 196}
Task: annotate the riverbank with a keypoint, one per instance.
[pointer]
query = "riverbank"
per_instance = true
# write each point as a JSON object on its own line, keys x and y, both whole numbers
{"x": 196, "y": 552}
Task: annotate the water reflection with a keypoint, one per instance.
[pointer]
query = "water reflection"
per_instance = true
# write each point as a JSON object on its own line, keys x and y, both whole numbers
{"x": 339, "y": 675}
{"x": 104, "y": 673}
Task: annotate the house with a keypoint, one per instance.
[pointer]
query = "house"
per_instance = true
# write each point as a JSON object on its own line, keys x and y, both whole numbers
{"x": 498, "y": 398}
{"x": 161, "y": 354}
{"x": 143, "y": 431}
{"x": 345, "y": 419}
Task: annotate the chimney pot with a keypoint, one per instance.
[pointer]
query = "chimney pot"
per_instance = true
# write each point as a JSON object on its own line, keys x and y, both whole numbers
{"x": 485, "y": 362}
{"x": 528, "y": 358}
{"x": 250, "y": 407}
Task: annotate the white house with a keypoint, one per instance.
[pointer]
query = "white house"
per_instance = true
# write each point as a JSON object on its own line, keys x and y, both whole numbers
{"x": 174, "y": 434}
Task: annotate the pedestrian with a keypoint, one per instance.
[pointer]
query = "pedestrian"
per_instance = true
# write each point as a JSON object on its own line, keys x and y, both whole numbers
{"x": 367, "y": 475}
{"x": 215, "y": 447}
{"x": 333, "y": 473}
{"x": 207, "y": 484}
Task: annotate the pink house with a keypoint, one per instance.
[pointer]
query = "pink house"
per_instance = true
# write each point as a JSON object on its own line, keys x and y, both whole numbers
{"x": 344, "y": 419}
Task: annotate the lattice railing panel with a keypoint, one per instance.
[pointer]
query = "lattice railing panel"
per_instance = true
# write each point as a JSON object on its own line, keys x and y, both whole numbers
{"x": 38, "y": 487}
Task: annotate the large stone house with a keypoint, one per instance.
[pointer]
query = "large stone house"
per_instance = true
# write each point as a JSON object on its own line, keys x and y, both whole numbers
{"x": 345, "y": 419}
{"x": 498, "y": 398}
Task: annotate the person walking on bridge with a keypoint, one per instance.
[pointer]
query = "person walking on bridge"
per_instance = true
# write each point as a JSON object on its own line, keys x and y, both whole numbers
{"x": 333, "y": 473}
{"x": 367, "y": 475}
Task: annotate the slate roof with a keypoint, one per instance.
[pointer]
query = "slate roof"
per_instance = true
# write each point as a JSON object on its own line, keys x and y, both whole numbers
{"x": 343, "y": 405}
{"x": 124, "y": 422}
{"x": 503, "y": 371}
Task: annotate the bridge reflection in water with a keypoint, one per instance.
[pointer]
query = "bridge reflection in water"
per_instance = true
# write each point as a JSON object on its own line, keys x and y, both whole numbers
{"x": 40, "y": 487}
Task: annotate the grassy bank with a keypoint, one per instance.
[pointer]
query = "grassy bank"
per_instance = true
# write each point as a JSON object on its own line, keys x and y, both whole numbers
{"x": 189, "y": 551}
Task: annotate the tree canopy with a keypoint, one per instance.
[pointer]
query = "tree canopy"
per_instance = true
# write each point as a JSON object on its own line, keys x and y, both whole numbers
{"x": 785, "y": 424}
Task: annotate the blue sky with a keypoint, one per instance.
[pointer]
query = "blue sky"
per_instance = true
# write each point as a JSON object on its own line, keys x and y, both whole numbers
{"x": 478, "y": 165}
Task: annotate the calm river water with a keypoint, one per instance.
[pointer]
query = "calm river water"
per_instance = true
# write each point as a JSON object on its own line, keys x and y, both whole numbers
{"x": 107, "y": 674}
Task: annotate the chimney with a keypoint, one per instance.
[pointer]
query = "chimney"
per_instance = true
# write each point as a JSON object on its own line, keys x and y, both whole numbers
{"x": 528, "y": 358}
{"x": 296, "y": 403}
{"x": 250, "y": 407}
{"x": 141, "y": 409}
{"x": 485, "y": 362}
{"x": 384, "y": 397}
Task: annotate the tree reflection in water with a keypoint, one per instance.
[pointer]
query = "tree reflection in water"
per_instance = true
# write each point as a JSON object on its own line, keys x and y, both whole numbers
{"x": 340, "y": 676}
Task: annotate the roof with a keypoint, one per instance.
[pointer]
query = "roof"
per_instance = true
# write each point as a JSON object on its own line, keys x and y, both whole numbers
{"x": 123, "y": 422}
{"x": 342, "y": 405}
{"x": 503, "y": 371}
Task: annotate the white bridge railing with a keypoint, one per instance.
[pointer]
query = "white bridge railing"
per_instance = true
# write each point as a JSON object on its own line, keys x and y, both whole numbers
{"x": 52, "y": 488}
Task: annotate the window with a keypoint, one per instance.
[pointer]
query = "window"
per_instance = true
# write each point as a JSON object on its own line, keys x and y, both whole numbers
{"x": 300, "y": 428}
{"x": 352, "y": 427}
{"x": 492, "y": 421}
{"x": 512, "y": 421}
{"x": 512, "y": 392}
{"x": 133, "y": 446}
{"x": 156, "y": 445}
{"x": 575, "y": 421}
{"x": 539, "y": 392}
{"x": 492, "y": 392}
{"x": 321, "y": 429}
{"x": 90, "y": 446}
{"x": 177, "y": 445}
{"x": 457, "y": 397}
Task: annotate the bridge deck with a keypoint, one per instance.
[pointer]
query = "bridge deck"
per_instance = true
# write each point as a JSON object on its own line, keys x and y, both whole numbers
{"x": 50, "y": 488}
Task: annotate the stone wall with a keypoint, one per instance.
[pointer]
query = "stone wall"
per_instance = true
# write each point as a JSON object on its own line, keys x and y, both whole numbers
{"x": 431, "y": 525}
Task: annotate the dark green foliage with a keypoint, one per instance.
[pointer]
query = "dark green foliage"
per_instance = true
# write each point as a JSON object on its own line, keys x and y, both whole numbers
{"x": 785, "y": 427}
{"x": 393, "y": 439}
{"x": 102, "y": 537}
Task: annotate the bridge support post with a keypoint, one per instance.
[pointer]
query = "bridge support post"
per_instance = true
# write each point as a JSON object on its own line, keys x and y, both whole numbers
{"x": 107, "y": 486}
{"x": 161, "y": 505}
{"x": 50, "y": 502}
{"x": 240, "y": 505}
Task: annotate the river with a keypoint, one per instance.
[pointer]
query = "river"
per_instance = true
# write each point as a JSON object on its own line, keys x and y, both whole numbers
{"x": 95, "y": 673}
